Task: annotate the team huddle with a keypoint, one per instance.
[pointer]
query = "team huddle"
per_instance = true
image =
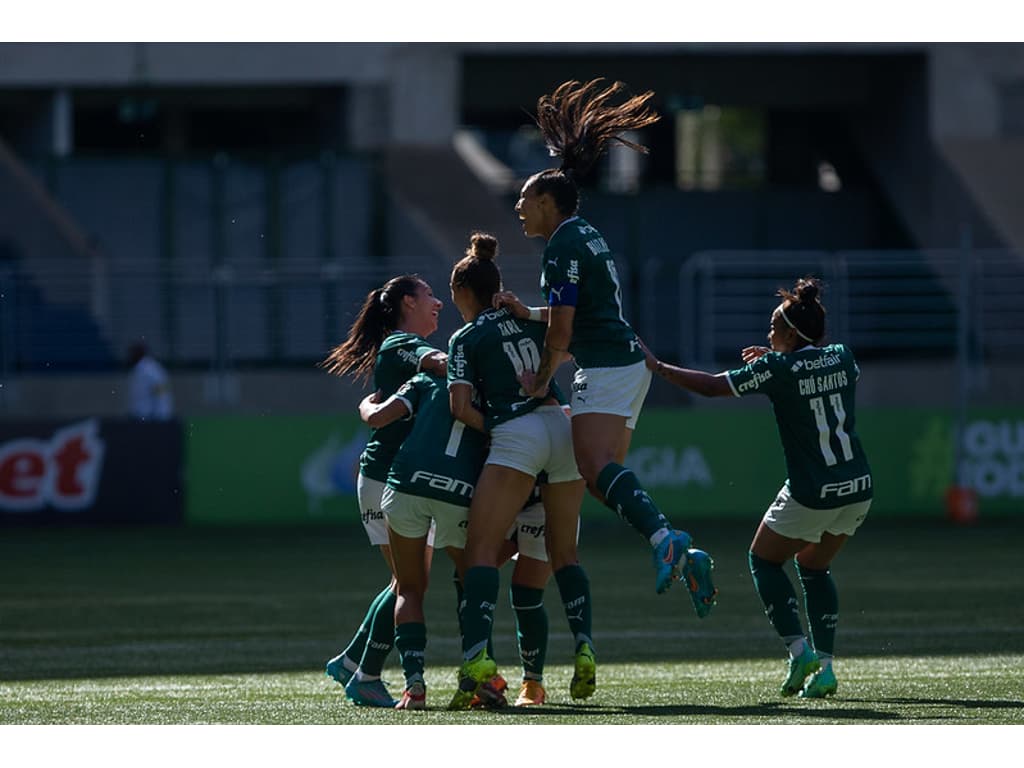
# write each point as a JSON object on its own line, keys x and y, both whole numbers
{"x": 474, "y": 448}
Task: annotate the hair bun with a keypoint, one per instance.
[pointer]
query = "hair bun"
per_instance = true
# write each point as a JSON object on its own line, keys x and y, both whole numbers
{"x": 482, "y": 246}
{"x": 807, "y": 290}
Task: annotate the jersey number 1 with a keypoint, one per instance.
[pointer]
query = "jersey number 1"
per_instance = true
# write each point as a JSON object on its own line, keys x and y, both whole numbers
{"x": 824, "y": 433}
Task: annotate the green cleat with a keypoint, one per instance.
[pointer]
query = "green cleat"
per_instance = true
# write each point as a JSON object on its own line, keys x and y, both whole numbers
{"x": 800, "y": 668}
{"x": 472, "y": 674}
{"x": 821, "y": 684}
{"x": 584, "y": 678}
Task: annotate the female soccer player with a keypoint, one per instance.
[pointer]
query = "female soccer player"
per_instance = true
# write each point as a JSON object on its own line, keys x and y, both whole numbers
{"x": 388, "y": 342}
{"x": 584, "y": 320}
{"x": 528, "y": 435}
{"x": 430, "y": 482}
{"x": 828, "y": 492}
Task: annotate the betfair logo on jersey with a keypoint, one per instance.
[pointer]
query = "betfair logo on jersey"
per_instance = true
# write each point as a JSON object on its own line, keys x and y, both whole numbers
{"x": 755, "y": 381}
{"x": 822, "y": 362}
{"x": 847, "y": 488}
{"x": 574, "y": 271}
{"x": 442, "y": 483}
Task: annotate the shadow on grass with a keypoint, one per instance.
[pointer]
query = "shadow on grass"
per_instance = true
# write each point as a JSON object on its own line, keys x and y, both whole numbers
{"x": 961, "y": 703}
{"x": 719, "y": 713}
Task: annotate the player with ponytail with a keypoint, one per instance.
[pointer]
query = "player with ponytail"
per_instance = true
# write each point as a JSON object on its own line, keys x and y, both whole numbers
{"x": 583, "y": 313}
{"x": 388, "y": 343}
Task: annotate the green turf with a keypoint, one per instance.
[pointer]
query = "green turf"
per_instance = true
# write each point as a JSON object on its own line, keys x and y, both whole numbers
{"x": 233, "y": 626}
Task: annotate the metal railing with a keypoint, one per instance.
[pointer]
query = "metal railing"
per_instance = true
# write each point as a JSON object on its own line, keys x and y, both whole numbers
{"x": 902, "y": 305}
{"x": 899, "y": 304}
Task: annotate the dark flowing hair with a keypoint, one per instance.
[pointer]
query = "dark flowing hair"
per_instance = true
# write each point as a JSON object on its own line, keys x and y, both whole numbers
{"x": 380, "y": 315}
{"x": 477, "y": 270}
{"x": 577, "y": 123}
{"x": 803, "y": 308}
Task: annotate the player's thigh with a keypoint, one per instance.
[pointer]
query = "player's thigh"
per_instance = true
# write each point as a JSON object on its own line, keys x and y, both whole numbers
{"x": 499, "y": 494}
{"x": 596, "y": 438}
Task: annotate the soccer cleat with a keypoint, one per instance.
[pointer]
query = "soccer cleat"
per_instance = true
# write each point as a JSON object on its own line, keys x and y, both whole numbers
{"x": 491, "y": 695}
{"x": 369, "y": 693}
{"x": 821, "y": 684}
{"x": 531, "y": 694}
{"x": 584, "y": 678}
{"x": 337, "y": 670}
{"x": 667, "y": 554}
{"x": 805, "y": 664}
{"x": 472, "y": 674}
{"x": 696, "y": 573}
{"x": 413, "y": 697}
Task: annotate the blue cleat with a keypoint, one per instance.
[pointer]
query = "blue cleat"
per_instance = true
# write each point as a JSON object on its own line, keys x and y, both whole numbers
{"x": 667, "y": 554}
{"x": 369, "y": 693}
{"x": 337, "y": 670}
{"x": 696, "y": 573}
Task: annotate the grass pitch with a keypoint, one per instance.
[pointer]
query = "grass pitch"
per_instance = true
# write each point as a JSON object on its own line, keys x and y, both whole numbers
{"x": 214, "y": 626}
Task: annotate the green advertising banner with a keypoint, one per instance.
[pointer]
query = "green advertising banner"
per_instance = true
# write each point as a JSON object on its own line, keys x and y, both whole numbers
{"x": 273, "y": 469}
{"x": 696, "y": 462}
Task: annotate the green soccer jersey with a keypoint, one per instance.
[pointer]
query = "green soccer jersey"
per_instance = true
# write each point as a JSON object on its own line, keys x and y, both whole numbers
{"x": 489, "y": 354}
{"x": 441, "y": 458}
{"x": 398, "y": 360}
{"x": 812, "y": 392}
{"x": 578, "y": 270}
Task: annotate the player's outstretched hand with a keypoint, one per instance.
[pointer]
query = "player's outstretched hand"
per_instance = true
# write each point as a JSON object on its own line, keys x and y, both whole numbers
{"x": 649, "y": 359}
{"x": 750, "y": 354}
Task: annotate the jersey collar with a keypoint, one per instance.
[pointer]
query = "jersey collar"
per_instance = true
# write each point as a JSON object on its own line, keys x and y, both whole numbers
{"x": 564, "y": 222}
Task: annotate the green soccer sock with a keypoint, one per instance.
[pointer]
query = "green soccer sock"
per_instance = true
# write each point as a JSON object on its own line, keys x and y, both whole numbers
{"x": 460, "y": 600}
{"x": 357, "y": 645}
{"x": 624, "y": 494}
{"x": 778, "y": 597}
{"x": 481, "y": 594}
{"x": 460, "y": 597}
{"x": 574, "y": 589}
{"x": 531, "y": 629}
{"x": 381, "y": 639}
{"x": 411, "y": 640}
{"x": 822, "y": 603}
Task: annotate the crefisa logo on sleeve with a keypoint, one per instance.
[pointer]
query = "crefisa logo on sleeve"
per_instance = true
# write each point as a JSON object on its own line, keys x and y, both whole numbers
{"x": 62, "y": 472}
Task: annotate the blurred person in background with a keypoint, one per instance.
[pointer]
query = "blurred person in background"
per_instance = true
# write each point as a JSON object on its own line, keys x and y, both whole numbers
{"x": 149, "y": 386}
{"x": 585, "y": 323}
{"x": 828, "y": 492}
{"x": 388, "y": 343}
